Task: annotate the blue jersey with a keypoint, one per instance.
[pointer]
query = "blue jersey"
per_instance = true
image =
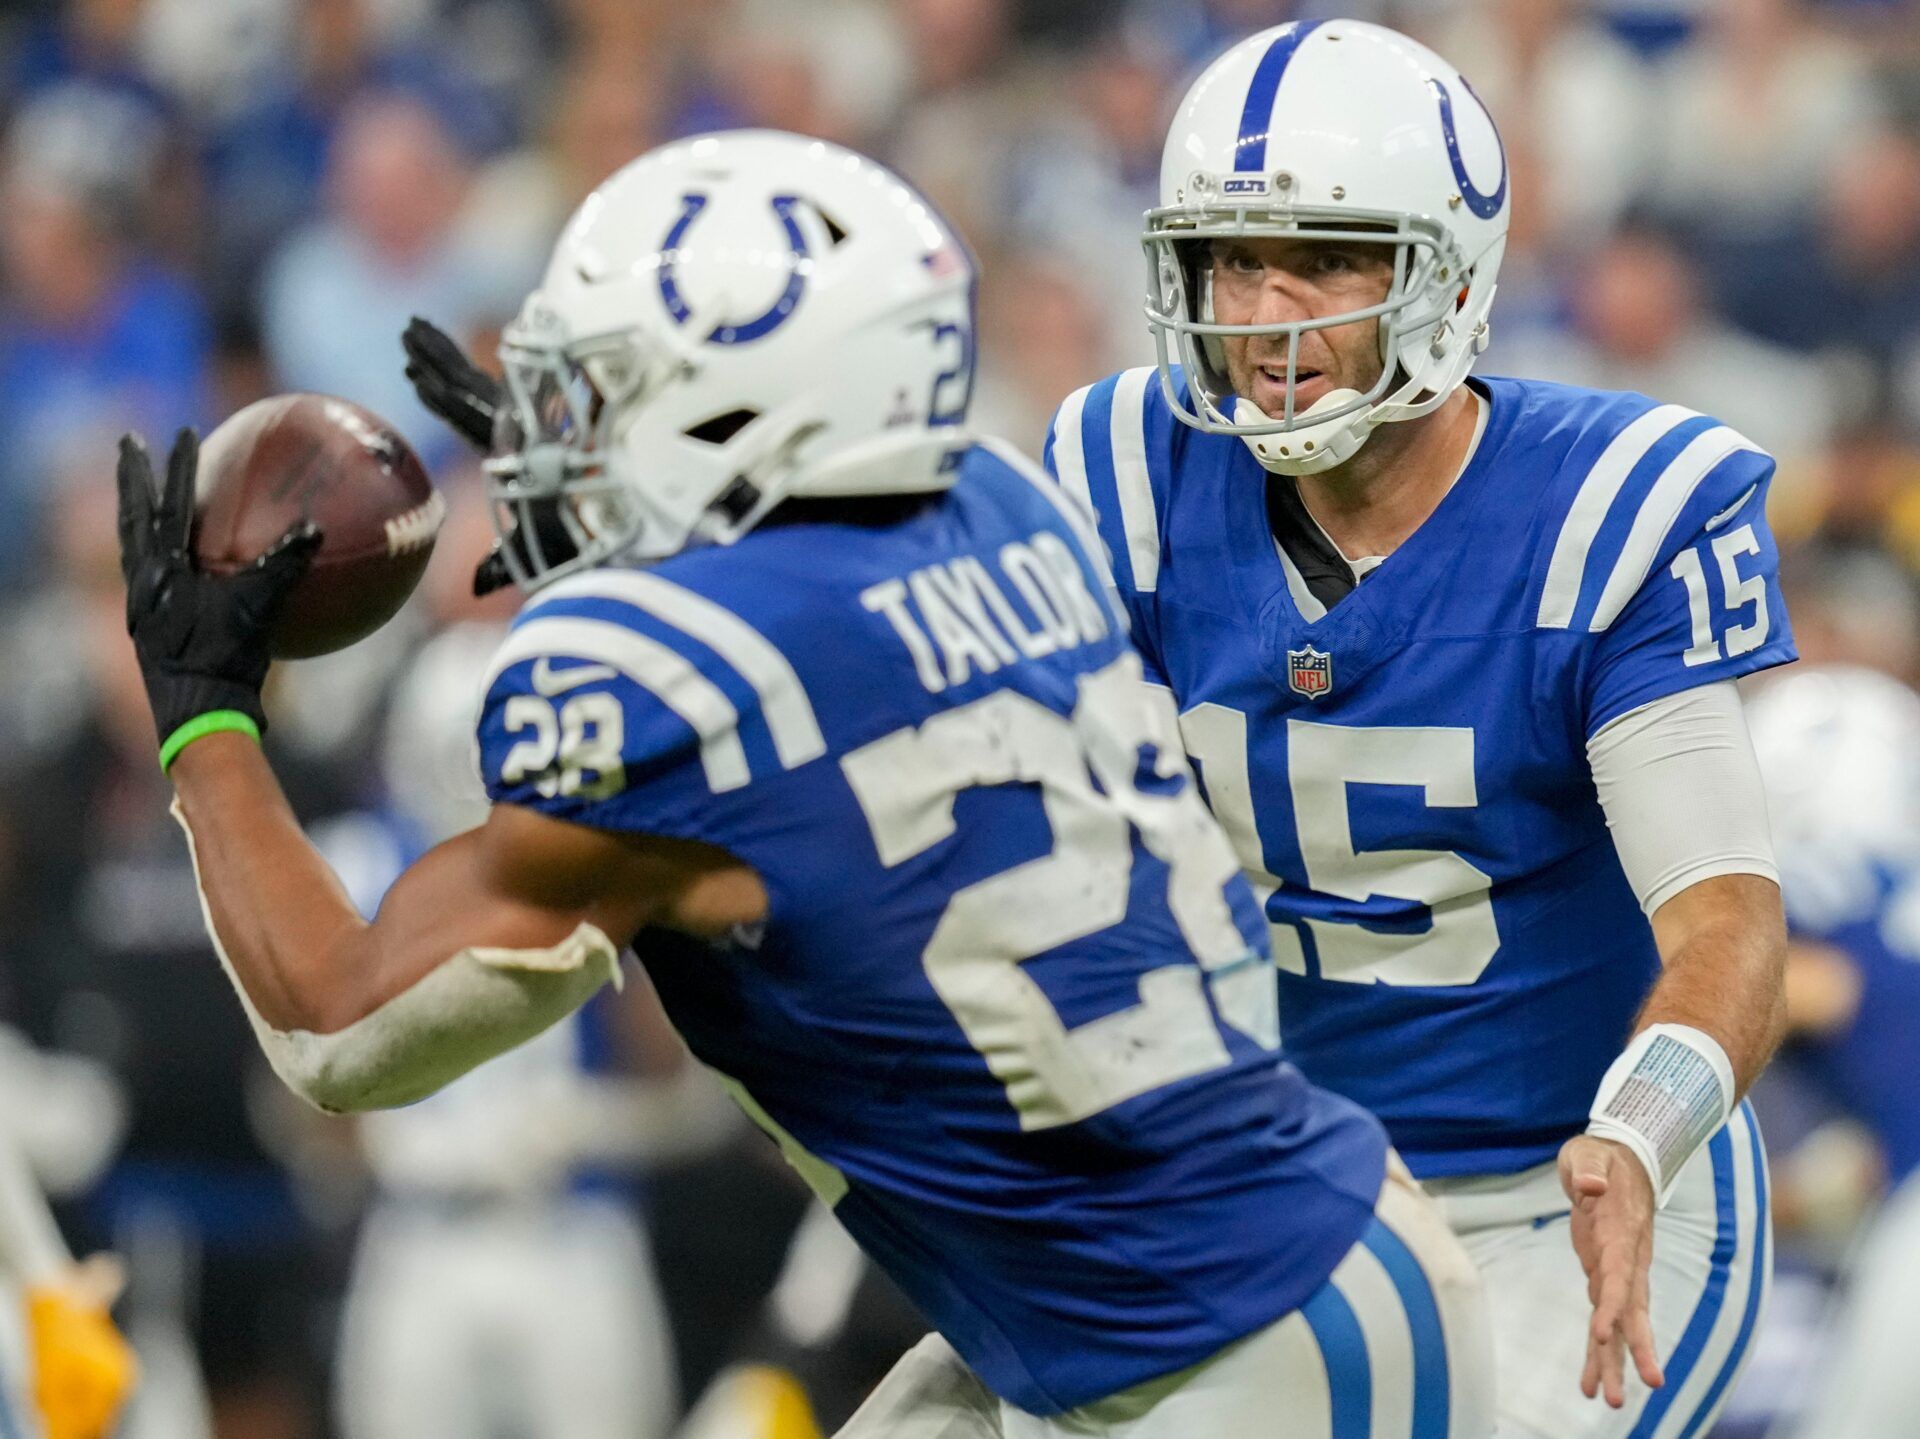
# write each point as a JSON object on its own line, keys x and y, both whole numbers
{"x": 1405, "y": 775}
{"x": 1011, "y": 1012}
{"x": 1868, "y": 907}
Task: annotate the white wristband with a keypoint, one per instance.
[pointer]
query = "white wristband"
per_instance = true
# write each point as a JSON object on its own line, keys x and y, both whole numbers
{"x": 1664, "y": 1097}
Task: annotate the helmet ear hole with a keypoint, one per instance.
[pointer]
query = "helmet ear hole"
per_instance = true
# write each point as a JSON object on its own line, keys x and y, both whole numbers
{"x": 836, "y": 232}
{"x": 722, "y": 427}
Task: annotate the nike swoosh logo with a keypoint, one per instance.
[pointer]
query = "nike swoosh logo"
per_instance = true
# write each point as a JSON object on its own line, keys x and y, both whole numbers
{"x": 549, "y": 681}
{"x": 1731, "y": 510}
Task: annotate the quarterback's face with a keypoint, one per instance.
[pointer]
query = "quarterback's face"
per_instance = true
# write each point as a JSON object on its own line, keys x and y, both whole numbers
{"x": 1284, "y": 281}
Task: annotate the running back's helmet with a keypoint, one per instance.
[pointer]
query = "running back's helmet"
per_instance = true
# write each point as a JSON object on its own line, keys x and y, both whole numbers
{"x": 1337, "y": 130}
{"x": 727, "y": 322}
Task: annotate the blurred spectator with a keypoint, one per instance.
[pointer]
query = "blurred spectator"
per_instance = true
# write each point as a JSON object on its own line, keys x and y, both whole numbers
{"x": 1754, "y": 113}
{"x": 968, "y": 110}
{"x": 1840, "y": 751}
{"x": 95, "y": 334}
{"x": 1535, "y": 312}
{"x": 271, "y": 125}
{"x": 608, "y": 114}
{"x": 106, "y": 923}
{"x": 503, "y": 1282}
{"x": 1641, "y": 325}
{"x": 340, "y": 292}
{"x": 1043, "y": 334}
{"x": 91, "y": 40}
{"x": 1195, "y": 31}
{"x": 856, "y": 52}
{"x": 1850, "y": 281}
{"x": 1854, "y": 606}
{"x": 1865, "y": 494}
{"x": 1558, "y": 82}
{"x": 1079, "y": 187}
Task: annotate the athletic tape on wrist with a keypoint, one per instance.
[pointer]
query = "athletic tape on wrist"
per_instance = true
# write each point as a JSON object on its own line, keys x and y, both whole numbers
{"x": 199, "y": 727}
{"x": 1663, "y": 1098}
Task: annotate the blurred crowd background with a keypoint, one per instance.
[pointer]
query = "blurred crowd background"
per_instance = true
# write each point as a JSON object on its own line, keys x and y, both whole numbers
{"x": 1715, "y": 201}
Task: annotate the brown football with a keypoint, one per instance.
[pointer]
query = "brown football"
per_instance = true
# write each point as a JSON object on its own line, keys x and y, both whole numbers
{"x": 294, "y": 457}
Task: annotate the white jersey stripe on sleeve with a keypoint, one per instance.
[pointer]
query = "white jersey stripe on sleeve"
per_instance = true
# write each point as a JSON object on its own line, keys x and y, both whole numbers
{"x": 783, "y": 699}
{"x": 1658, "y": 511}
{"x": 652, "y": 666}
{"x": 1568, "y": 567}
{"x": 1069, "y": 449}
{"x": 1138, "y": 516}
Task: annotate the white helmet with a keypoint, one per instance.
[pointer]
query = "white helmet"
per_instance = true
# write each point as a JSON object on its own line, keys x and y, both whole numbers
{"x": 1839, "y": 751}
{"x": 1337, "y": 130}
{"x": 727, "y": 322}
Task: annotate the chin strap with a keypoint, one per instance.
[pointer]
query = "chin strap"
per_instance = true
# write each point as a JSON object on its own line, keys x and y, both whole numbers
{"x": 1308, "y": 449}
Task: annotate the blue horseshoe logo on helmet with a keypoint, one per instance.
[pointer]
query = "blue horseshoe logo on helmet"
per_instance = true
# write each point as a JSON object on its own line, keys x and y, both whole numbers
{"x": 1484, "y": 205}
{"x": 694, "y": 203}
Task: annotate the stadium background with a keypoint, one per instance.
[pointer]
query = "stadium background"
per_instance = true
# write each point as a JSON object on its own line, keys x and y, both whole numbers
{"x": 1716, "y": 201}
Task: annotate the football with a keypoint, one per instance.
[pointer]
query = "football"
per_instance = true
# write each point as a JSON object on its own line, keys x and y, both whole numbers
{"x": 294, "y": 457}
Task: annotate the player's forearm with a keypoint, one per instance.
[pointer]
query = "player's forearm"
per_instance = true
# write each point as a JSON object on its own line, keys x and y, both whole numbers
{"x": 276, "y": 909}
{"x": 1723, "y": 944}
{"x": 355, "y": 1015}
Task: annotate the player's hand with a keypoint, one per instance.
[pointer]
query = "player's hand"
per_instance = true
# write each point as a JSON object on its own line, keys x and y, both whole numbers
{"x": 450, "y": 384}
{"x": 83, "y": 1369}
{"x": 202, "y": 639}
{"x": 469, "y": 400}
{"x": 1613, "y": 1208}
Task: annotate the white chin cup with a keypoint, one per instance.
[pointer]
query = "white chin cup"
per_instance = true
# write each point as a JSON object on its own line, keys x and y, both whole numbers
{"x": 1307, "y": 448}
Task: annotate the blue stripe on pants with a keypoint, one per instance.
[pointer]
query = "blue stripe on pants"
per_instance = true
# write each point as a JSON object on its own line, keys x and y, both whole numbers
{"x": 1754, "y": 1290}
{"x": 1343, "y": 1348}
{"x": 1431, "y": 1396}
{"x": 1693, "y": 1339}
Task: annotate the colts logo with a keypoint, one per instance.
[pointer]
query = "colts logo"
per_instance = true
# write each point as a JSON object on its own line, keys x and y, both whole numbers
{"x": 1484, "y": 205}
{"x": 789, "y": 301}
{"x": 1309, "y": 672}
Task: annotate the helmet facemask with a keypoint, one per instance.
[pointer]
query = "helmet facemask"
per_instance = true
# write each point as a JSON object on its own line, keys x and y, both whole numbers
{"x": 1414, "y": 318}
{"x": 558, "y": 504}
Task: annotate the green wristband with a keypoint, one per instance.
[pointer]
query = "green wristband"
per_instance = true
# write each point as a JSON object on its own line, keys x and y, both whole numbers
{"x": 199, "y": 727}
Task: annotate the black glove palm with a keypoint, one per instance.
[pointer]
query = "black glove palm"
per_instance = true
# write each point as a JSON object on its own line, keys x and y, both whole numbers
{"x": 202, "y": 639}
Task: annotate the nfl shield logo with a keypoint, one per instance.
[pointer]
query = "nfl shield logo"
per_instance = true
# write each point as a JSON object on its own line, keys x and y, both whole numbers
{"x": 1310, "y": 672}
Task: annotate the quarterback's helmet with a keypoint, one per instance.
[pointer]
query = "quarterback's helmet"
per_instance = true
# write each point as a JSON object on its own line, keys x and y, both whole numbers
{"x": 1334, "y": 130}
{"x": 727, "y": 322}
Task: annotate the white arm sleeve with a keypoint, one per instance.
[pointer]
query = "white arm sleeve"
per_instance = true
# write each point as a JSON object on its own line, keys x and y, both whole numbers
{"x": 1682, "y": 793}
{"x": 479, "y": 1003}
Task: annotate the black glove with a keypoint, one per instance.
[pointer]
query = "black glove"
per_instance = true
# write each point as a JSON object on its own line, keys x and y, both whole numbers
{"x": 449, "y": 384}
{"x": 202, "y": 639}
{"x": 473, "y": 403}
{"x": 556, "y": 545}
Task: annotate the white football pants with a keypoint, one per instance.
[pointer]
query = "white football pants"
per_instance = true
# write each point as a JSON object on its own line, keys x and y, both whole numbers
{"x": 1393, "y": 1346}
{"x": 530, "y": 1317}
{"x": 1709, "y": 1279}
{"x": 1871, "y": 1385}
